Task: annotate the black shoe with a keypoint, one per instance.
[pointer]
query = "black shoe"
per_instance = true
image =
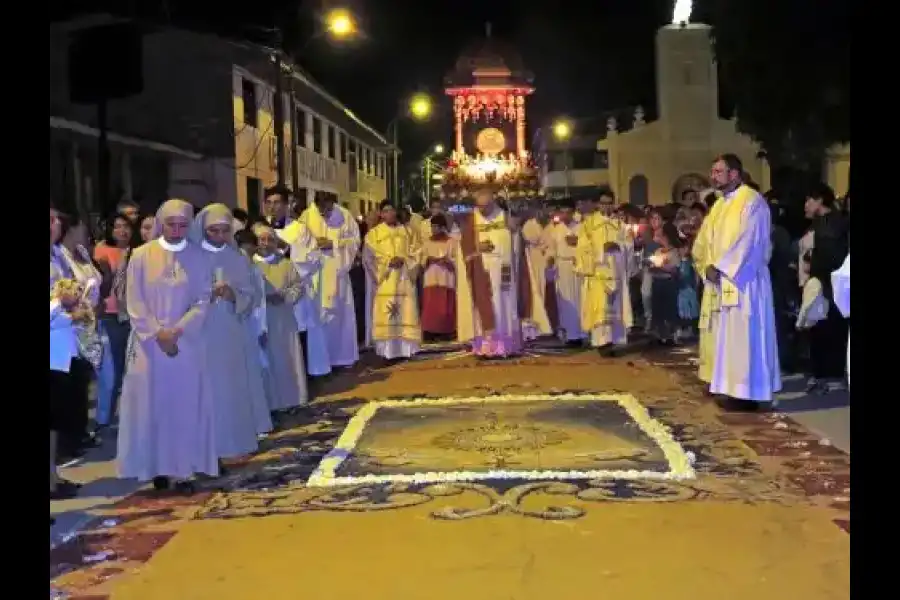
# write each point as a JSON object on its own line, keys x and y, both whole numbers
{"x": 744, "y": 406}
{"x": 607, "y": 351}
{"x": 161, "y": 483}
{"x": 185, "y": 487}
{"x": 65, "y": 490}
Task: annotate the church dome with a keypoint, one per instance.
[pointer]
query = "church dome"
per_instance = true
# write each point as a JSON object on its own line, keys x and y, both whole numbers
{"x": 488, "y": 54}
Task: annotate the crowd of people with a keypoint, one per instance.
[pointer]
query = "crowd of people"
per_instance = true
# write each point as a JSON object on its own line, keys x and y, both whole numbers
{"x": 200, "y": 329}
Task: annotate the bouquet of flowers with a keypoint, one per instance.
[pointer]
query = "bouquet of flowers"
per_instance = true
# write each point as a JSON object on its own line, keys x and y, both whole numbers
{"x": 85, "y": 321}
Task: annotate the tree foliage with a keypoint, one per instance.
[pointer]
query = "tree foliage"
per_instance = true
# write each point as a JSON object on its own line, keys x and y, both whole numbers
{"x": 786, "y": 66}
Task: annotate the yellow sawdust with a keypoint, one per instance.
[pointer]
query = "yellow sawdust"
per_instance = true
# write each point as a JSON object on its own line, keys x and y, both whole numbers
{"x": 549, "y": 375}
{"x": 690, "y": 551}
{"x": 622, "y": 550}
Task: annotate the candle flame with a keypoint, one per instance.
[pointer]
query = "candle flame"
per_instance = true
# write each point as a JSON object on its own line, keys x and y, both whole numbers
{"x": 682, "y": 11}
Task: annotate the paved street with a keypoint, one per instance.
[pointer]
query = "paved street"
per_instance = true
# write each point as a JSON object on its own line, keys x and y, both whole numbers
{"x": 759, "y": 506}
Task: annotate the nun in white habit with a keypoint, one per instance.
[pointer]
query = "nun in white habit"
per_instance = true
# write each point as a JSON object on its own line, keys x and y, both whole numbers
{"x": 241, "y": 410}
{"x": 166, "y": 421}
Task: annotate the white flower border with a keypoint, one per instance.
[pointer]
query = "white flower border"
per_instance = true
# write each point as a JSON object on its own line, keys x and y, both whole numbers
{"x": 679, "y": 461}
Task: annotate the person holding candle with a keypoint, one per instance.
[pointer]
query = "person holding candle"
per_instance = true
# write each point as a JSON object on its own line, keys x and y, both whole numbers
{"x": 241, "y": 411}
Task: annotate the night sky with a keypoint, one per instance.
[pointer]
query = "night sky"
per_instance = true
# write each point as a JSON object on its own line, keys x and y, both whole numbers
{"x": 587, "y": 56}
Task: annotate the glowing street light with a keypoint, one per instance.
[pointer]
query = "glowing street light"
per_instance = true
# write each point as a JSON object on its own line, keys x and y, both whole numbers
{"x": 439, "y": 149}
{"x": 340, "y": 23}
{"x": 420, "y": 106}
{"x": 562, "y": 130}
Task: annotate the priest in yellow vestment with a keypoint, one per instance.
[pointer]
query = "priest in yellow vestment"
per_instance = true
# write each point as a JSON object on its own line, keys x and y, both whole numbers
{"x": 391, "y": 259}
{"x": 600, "y": 261}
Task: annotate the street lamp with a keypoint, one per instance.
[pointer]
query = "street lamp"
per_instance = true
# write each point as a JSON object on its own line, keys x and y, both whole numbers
{"x": 562, "y": 131}
{"x": 340, "y": 24}
{"x": 429, "y": 167}
{"x": 419, "y": 108}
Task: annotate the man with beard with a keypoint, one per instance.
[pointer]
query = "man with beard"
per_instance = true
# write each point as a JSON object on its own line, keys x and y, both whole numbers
{"x": 745, "y": 368}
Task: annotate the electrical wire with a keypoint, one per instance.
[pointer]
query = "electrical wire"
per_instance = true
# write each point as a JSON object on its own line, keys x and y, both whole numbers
{"x": 262, "y": 137}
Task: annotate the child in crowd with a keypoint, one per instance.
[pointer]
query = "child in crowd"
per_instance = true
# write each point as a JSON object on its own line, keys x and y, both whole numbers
{"x": 663, "y": 269}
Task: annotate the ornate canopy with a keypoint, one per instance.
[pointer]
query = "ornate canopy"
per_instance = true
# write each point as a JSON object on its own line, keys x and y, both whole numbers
{"x": 491, "y": 58}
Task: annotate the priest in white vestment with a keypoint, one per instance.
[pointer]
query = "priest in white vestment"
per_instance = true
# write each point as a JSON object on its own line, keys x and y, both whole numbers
{"x": 307, "y": 260}
{"x": 745, "y": 368}
{"x": 493, "y": 292}
{"x": 840, "y": 286}
{"x": 336, "y": 235}
{"x": 563, "y": 241}
{"x": 534, "y": 236}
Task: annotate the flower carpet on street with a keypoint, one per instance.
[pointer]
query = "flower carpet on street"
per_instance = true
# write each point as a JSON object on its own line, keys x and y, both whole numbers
{"x": 556, "y": 475}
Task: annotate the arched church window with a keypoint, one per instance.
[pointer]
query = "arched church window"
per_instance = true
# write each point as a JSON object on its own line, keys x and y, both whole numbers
{"x": 638, "y": 190}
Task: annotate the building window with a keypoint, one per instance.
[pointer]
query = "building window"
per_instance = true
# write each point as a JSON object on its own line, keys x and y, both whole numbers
{"x": 380, "y": 166}
{"x": 559, "y": 160}
{"x": 342, "y": 145}
{"x": 317, "y": 127}
{"x": 248, "y": 95}
{"x": 351, "y": 148}
{"x": 371, "y": 163}
{"x": 301, "y": 126}
{"x": 589, "y": 159}
{"x": 254, "y": 192}
{"x": 363, "y": 159}
{"x": 326, "y": 139}
{"x": 300, "y": 200}
{"x": 333, "y": 142}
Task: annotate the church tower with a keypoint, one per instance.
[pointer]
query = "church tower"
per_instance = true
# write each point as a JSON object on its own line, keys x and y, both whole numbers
{"x": 687, "y": 87}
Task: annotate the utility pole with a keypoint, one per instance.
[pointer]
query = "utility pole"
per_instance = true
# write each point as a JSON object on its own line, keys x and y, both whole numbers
{"x": 278, "y": 108}
{"x": 426, "y": 192}
{"x": 295, "y": 139}
{"x": 395, "y": 159}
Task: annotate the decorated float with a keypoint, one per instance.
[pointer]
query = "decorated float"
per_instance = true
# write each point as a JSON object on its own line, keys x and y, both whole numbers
{"x": 490, "y": 87}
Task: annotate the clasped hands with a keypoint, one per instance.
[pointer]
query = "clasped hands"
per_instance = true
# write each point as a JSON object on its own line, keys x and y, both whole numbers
{"x": 396, "y": 263}
{"x": 486, "y": 246}
{"x": 222, "y": 290}
{"x": 167, "y": 340}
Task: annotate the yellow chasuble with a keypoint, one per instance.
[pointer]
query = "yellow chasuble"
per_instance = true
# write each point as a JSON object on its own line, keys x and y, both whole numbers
{"x": 395, "y": 312}
{"x": 604, "y": 291}
{"x": 709, "y": 303}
